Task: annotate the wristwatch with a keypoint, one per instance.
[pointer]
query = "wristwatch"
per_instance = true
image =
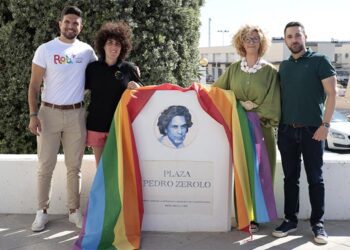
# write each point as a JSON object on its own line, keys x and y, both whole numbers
{"x": 326, "y": 124}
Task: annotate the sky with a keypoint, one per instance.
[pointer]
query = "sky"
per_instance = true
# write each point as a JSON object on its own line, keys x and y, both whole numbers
{"x": 324, "y": 20}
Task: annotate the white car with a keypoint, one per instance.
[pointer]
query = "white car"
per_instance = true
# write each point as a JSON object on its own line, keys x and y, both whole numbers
{"x": 339, "y": 133}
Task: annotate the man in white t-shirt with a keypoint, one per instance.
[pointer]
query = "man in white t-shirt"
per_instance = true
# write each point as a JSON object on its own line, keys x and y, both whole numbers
{"x": 60, "y": 65}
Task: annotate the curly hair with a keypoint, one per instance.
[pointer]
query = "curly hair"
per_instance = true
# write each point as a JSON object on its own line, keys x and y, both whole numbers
{"x": 168, "y": 114}
{"x": 242, "y": 33}
{"x": 119, "y": 31}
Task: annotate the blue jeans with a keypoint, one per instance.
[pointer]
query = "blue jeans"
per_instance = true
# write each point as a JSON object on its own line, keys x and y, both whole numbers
{"x": 292, "y": 143}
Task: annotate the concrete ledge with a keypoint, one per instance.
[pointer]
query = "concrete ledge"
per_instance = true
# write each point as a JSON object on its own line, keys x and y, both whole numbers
{"x": 18, "y": 186}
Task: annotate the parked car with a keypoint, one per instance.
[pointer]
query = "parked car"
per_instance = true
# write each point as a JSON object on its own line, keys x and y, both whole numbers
{"x": 341, "y": 91}
{"x": 339, "y": 133}
{"x": 343, "y": 82}
{"x": 343, "y": 77}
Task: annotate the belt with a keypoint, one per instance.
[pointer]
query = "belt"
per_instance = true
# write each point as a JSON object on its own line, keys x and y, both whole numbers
{"x": 296, "y": 125}
{"x": 63, "y": 107}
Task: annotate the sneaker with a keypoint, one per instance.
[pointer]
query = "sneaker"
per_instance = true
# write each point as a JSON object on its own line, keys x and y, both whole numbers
{"x": 321, "y": 236}
{"x": 254, "y": 227}
{"x": 41, "y": 219}
{"x": 285, "y": 228}
{"x": 76, "y": 218}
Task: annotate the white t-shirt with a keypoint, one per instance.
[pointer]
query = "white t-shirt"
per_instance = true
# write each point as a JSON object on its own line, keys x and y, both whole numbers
{"x": 65, "y": 65}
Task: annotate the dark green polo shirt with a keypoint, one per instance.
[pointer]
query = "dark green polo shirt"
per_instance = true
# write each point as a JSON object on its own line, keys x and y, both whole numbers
{"x": 302, "y": 91}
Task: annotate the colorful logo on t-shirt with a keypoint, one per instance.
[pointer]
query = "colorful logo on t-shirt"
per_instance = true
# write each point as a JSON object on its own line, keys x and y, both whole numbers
{"x": 58, "y": 59}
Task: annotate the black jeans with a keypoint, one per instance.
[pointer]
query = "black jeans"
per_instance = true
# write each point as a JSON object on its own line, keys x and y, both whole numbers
{"x": 292, "y": 143}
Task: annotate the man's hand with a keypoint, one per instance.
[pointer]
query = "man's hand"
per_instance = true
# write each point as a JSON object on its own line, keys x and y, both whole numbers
{"x": 34, "y": 125}
{"x": 33, "y": 96}
{"x": 321, "y": 133}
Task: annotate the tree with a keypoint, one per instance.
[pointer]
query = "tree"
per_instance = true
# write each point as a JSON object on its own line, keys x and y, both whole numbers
{"x": 165, "y": 41}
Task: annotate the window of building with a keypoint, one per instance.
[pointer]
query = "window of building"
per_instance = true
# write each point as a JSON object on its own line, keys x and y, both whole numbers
{"x": 219, "y": 72}
{"x": 337, "y": 57}
{"x": 217, "y": 57}
{"x": 230, "y": 57}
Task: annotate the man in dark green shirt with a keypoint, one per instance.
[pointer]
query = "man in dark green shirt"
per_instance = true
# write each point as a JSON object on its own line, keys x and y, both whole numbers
{"x": 308, "y": 91}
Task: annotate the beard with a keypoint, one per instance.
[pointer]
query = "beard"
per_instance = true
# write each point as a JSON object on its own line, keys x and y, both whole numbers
{"x": 70, "y": 35}
{"x": 296, "y": 48}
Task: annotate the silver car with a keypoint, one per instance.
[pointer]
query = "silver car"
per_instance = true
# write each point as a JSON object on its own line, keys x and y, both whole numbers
{"x": 339, "y": 133}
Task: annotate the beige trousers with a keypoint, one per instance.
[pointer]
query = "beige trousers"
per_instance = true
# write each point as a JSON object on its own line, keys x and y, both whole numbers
{"x": 66, "y": 127}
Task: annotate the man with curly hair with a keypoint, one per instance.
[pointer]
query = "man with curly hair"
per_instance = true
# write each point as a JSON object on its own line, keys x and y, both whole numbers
{"x": 107, "y": 79}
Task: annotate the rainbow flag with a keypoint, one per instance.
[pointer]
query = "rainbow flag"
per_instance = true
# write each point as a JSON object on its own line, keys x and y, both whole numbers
{"x": 113, "y": 219}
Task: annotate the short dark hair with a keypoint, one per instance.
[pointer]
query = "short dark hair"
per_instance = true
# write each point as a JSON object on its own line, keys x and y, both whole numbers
{"x": 119, "y": 31}
{"x": 294, "y": 24}
{"x": 168, "y": 114}
{"x": 71, "y": 10}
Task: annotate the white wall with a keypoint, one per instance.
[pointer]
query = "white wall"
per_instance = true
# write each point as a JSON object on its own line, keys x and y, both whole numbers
{"x": 18, "y": 186}
{"x": 327, "y": 49}
{"x": 344, "y": 51}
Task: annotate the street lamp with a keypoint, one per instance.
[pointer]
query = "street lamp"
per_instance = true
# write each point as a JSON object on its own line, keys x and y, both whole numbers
{"x": 203, "y": 70}
{"x": 209, "y": 33}
{"x": 203, "y": 62}
{"x": 223, "y": 34}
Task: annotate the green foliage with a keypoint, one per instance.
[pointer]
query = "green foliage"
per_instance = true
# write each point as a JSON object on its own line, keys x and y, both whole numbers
{"x": 165, "y": 40}
{"x": 165, "y": 47}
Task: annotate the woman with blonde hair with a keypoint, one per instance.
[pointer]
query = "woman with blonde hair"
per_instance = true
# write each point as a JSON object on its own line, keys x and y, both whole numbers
{"x": 255, "y": 84}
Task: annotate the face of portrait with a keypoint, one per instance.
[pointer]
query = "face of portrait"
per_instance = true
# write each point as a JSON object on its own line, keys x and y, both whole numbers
{"x": 295, "y": 39}
{"x": 112, "y": 50}
{"x": 176, "y": 130}
{"x": 70, "y": 27}
{"x": 251, "y": 43}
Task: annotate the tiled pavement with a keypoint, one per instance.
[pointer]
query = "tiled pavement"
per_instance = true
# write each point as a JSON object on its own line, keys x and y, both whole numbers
{"x": 15, "y": 233}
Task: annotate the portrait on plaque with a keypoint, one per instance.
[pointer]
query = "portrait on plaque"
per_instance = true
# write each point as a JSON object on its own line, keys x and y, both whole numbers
{"x": 173, "y": 125}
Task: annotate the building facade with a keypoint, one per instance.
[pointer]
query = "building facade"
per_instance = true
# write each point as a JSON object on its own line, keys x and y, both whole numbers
{"x": 220, "y": 57}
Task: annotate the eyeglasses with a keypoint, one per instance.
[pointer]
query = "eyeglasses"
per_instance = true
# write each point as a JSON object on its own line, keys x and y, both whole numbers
{"x": 251, "y": 39}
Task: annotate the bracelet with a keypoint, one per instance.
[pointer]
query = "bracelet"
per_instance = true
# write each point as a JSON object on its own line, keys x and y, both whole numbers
{"x": 33, "y": 114}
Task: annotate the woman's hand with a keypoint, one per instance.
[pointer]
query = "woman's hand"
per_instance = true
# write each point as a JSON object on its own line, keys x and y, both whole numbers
{"x": 133, "y": 85}
{"x": 248, "y": 105}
